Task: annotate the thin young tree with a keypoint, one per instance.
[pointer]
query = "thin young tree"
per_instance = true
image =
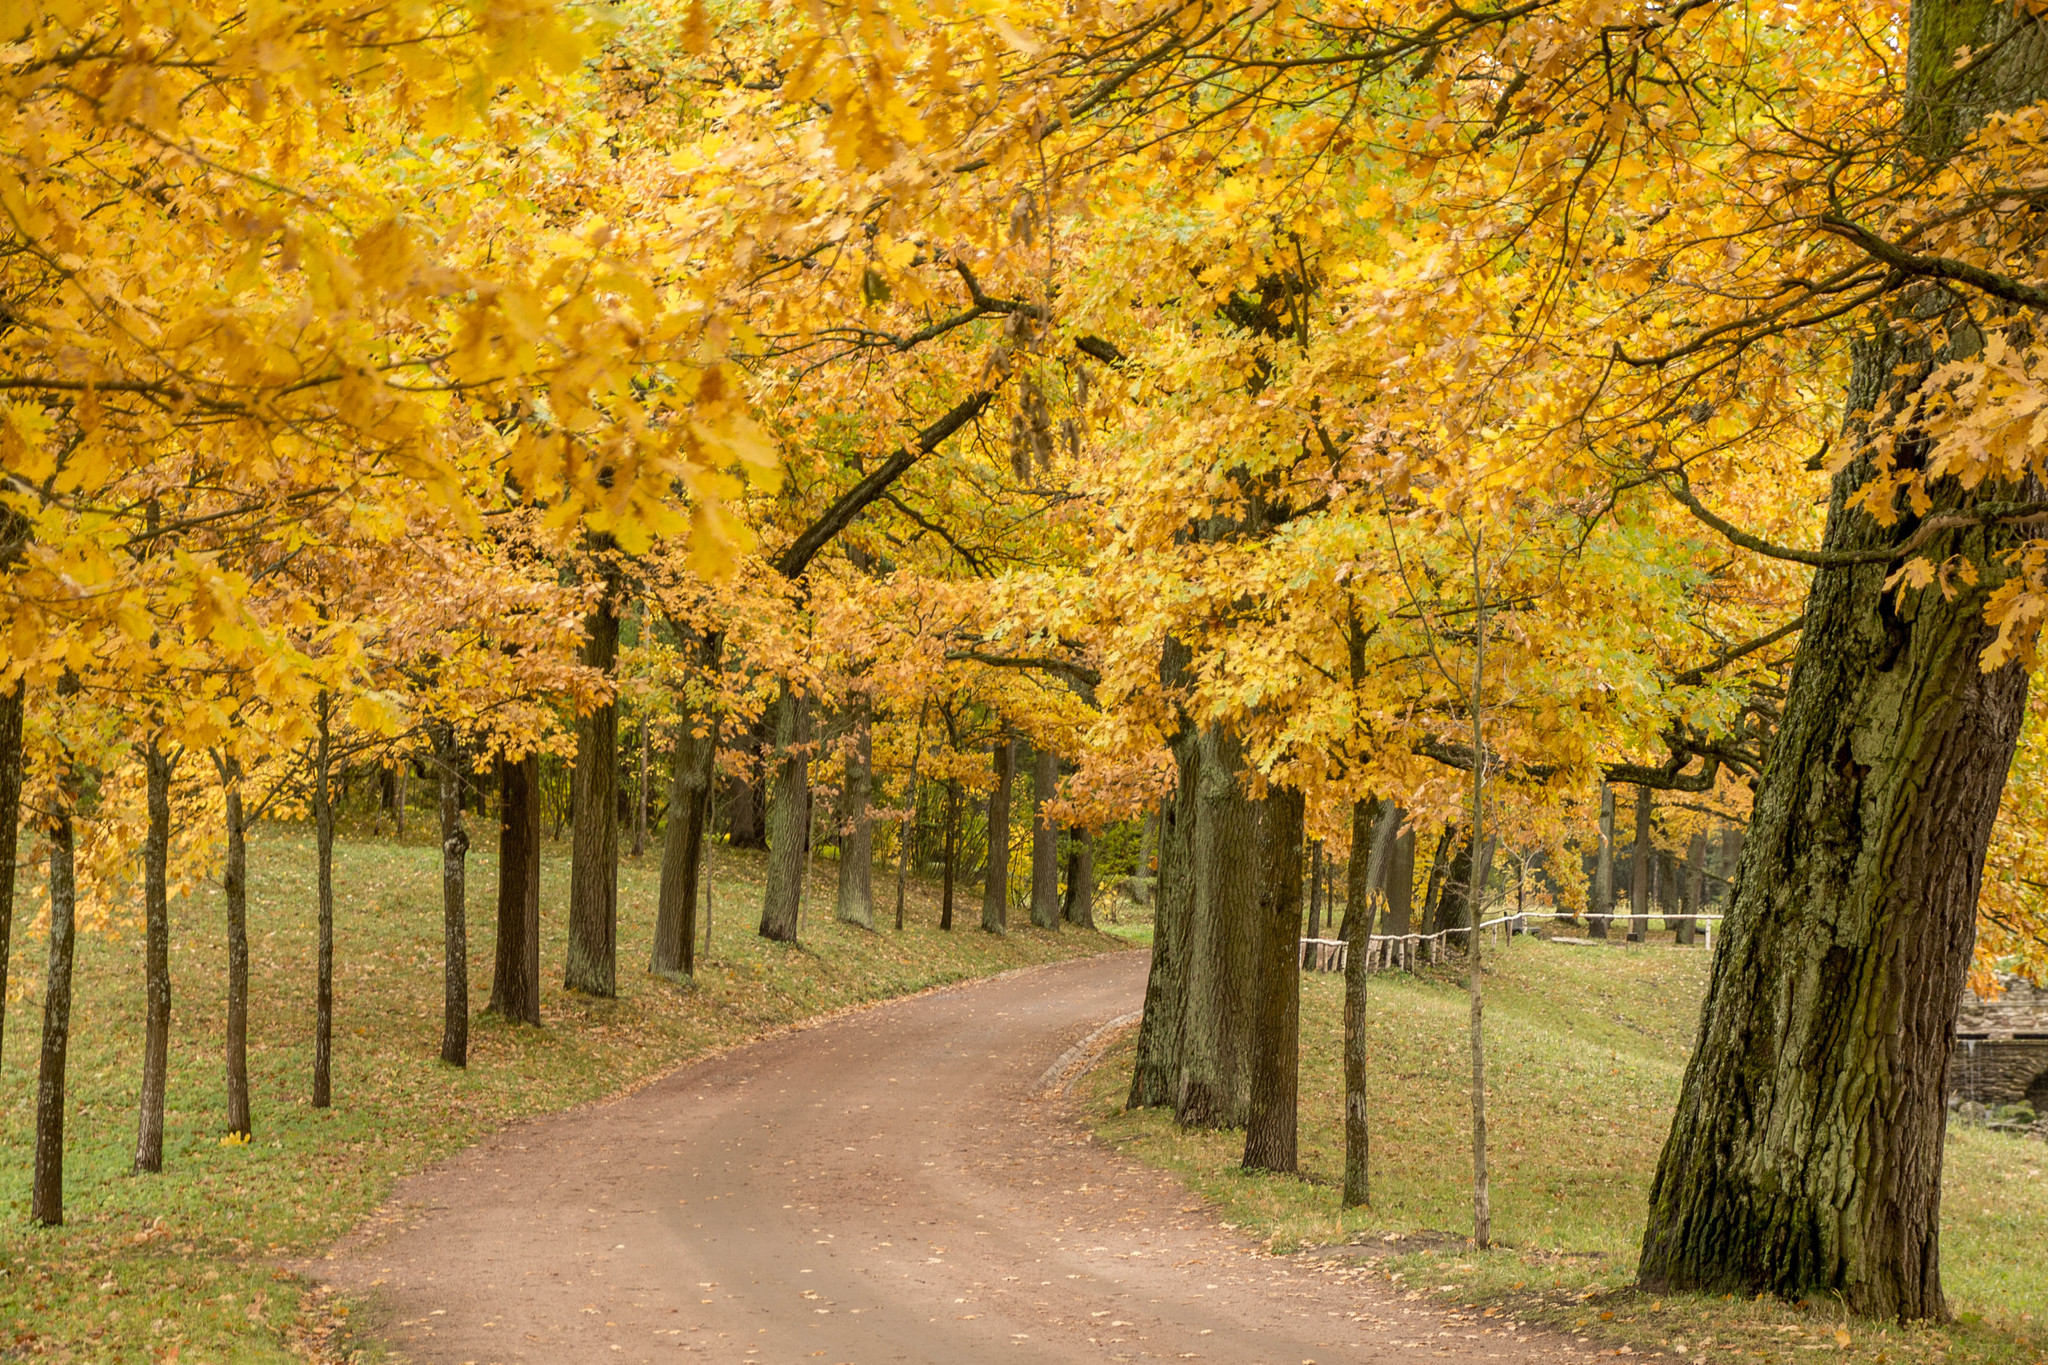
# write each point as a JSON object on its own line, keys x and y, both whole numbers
{"x": 158, "y": 766}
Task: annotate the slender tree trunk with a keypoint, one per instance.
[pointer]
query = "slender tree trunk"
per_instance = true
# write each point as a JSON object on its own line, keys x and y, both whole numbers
{"x": 515, "y": 979}
{"x": 789, "y": 817}
{"x": 704, "y": 865}
{"x": 454, "y": 901}
{"x": 1839, "y": 970}
{"x": 593, "y": 959}
{"x": 747, "y": 806}
{"x": 235, "y": 891}
{"x": 1223, "y": 934}
{"x": 1270, "y": 1127}
{"x": 156, "y": 958}
{"x": 323, "y": 858}
{"x": 1315, "y": 890}
{"x": 856, "y": 900}
{"x": 1669, "y": 892}
{"x": 1694, "y": 888}
{"x": 683, "y": 846}
{"x": 46, "y": 1201}
{"x": 1482, "y": 850}
{"x": 952, "y": 856}
{"x": 908, "y": 837}
{"x": 1045, "y": 841}
{"x": 12, "y": 704}
{"x": 995, "y": 892}
{"x": 1373, "y": 835}
{"x": 1602, "y": 909}
{"x": 1079, "y": 908}
{"x": 398, "y": 812}
{"x": 640, "y": 796}
{"x": 1639, "y": 871}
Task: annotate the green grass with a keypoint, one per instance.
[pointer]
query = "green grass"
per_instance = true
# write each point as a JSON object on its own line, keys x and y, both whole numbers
{"x": 197, "y": 1258}
{"x": 1586, "y": 1048}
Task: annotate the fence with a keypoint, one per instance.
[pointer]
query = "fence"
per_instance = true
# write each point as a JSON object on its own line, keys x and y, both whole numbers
{"x": 1398, "y": 952}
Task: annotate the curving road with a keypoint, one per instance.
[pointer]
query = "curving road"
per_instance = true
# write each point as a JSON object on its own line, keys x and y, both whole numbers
{"x": 892, "y": 1185}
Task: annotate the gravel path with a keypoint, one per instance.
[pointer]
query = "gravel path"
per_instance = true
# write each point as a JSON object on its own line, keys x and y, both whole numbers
{"x": 896, "y": 1184}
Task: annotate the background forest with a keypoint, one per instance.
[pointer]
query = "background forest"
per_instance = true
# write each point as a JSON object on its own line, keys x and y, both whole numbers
{"x": 1336, "y": 469}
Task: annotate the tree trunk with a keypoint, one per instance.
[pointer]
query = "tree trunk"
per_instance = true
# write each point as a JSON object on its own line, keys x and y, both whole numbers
{"x": 789, "y": 819}
{"x": 1399, "y": 918}
{"x": 1693, "y": 891}
{"x": 323, "y": 860}
{"x": 593, "y": 966}
{"x": 515, "y": 980}
{"x": 640, "y": 796}
{"x": 1270, "y": 1126}
{"x": 995, "y": 891}
{"x": 856, "y": 901}
{"x": 952, "y": 853}
{"x": 1373, "y": 840}
{"x": 1223, "y": 937}
{"x": 12, "y": 703}
{"x": 1601, "y": 911}
{"x": 46, "y": 1201}
{"x": 907, "y": 838}
{"x": 398, "y": 811}
{"x": 1145, "y": 882}
{"x": 1315, "y": 890}
{"x": 684, "y": 835}
{"x": 1669, "y": 892}
{"x": 454, "y": 901}
{"x": 1805, "y": 1155}
{"x": 1454, "y": 892}
{"x": 1079, "y": 907}
{"x": 156, "y": 958}
{"x": 746, "y": 804}
{"x": 235, "y": 891}
{"x": 1639, "y": 871}
{"x": 1155, "y": 1075}
{"x": 1045, "y": 840}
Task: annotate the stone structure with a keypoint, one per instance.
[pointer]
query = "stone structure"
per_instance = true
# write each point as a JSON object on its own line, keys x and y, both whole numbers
{"x": 2001, "y": 1054}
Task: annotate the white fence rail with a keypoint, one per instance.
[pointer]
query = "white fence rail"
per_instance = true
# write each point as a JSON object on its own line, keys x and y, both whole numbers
{"x": 1399, "y": 952}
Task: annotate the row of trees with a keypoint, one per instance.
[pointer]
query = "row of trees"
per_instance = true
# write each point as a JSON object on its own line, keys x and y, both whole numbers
{"x": 1314, "y": 426}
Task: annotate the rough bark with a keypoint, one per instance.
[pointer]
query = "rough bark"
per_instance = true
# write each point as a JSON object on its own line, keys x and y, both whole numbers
{"x": 1270, "y": 1125}
{"x": 323, "y": 860}
{"x": 1805, "y": 1155}
{"x": 12, "y": 703}
{"x": 593, "y": 966}
{"x": 995, "y": 891}
{"x": 1045, "y": 840}
{"x": 949, "y": 873}
{"x": 515, "y": 978}
{"x": 1155, "y": 1076}
{"x": 1694, "y": 890}
{"x": 856, "y": 900}
{"x": 684, "y": 835}
{"x": 789, "y": 819}
{"x": 1601, "y": 912}
{"x": 454, "y": 901}
{"x": 234, "y": 886}
{"x": 1639, "y": 871}
{"x": 1223, "y": 932}
{"x": 1399, "y": 917}
{"x": 1315, "y": 890}
{"x": 156, "y": 958}
{"x": 1454, "y": 892}
{"x": 46, "y": 1197}
{"x": 1374, "y": 826}
{"x": 1078, "y": 909}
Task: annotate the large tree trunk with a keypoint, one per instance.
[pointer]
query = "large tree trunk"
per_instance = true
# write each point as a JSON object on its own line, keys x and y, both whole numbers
{"x": 1079, "y": 906}
{"x": 1223, "y": 933}
{"x": 515, "y": 978}
{"x": 1155, "y": 1076}
{"x": 46, "y": 1198}
{"x": 323, "y": 861}
{"x": 1045, "y": 840}
{"x": 682, "y": 845}
{"x": 856, "y": 899}
{"x": 1270, "y": 1127}
{"x": 156, "y": 958}
{"x": 1454, "y": 890}
{"x": 12, "y": 703}
{"x": 1805, "y": 1156}
{"x": 454, "y": 901}
{"x": 1399, "y": 919}
{"x": 995, "y": 891}
{"x": 789, "y": 820}
{"x": 593, "y": 966}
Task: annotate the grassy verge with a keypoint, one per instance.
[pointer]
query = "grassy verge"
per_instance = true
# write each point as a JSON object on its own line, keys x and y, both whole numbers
{"x": 188, "y": 1265}
{"x": 1586, "y": 1048}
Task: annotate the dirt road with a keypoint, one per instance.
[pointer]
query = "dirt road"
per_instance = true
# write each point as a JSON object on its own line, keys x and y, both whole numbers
{"x": 889, "y": 1186}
